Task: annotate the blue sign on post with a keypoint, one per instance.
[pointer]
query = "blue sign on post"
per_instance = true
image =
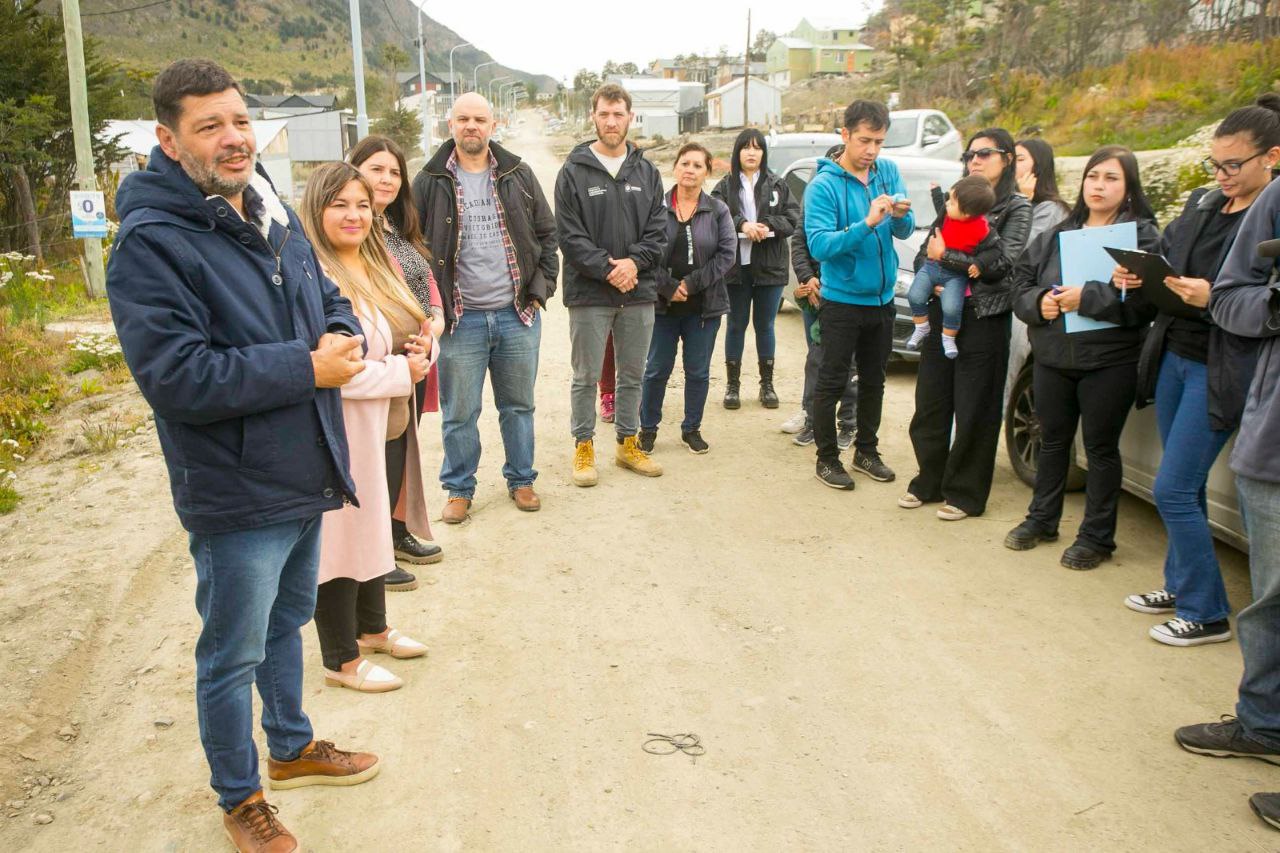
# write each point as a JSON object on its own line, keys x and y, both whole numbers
{"x": 88, "y": 214}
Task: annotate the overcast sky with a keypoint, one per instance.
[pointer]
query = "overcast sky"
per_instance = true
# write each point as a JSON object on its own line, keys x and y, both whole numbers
{"x": 557, "y": 37}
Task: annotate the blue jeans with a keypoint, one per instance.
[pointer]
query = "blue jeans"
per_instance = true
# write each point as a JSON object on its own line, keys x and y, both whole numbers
{"x": 699, "y": 338}
{"x": 930, "y": 275}
{"x": 1190, "y": 447}
{"x": 759, "y": 305}
{"x": 254, "y": 590}
{"x": 497, "y": 343}
{"x": 1258, "y": 625}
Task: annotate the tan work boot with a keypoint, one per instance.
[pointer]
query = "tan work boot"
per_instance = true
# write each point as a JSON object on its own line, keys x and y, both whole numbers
{"x": 584, "y": 464}
{"x": 321, "y": 763}
{"x": 455, "y": 510}
{"x": 253, "y": 827}
{"x": 631, "y": 456}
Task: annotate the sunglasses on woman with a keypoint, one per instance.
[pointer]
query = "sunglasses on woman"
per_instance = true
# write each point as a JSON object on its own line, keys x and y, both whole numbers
{"x": 1231, "y": 168}
{"x": 980, "y": 154}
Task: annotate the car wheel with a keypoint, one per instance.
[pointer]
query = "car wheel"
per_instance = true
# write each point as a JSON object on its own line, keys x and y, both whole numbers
{"x": 1022, "y": 435}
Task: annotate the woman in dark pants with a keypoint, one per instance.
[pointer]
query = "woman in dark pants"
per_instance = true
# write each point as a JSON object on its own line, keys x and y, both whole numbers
{"x": 968, "y": 390}
{"x": 1085, "y": 378}
{"x": 691, "y": 298}
{"x": 1198, "y": 374}
{"x": 382, "y": 163}
{"x": 760, "y": 203}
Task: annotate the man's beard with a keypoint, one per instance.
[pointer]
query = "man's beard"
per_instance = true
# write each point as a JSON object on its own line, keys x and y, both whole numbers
{"x": 620, "y": 134}
{"x": 472, "y": 144}
{"x": 207, "y": 178}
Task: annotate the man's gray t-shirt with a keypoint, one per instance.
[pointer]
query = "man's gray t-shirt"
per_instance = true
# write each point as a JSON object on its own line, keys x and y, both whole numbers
{"x": 483, "y": 275}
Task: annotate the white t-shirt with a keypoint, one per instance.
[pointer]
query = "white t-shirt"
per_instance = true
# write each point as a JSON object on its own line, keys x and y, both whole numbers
{"x": 612, "y": 165}
{"x": 747, "y": 196}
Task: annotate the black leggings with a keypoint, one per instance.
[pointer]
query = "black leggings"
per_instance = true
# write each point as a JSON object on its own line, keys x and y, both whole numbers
{"x": 1099, "y": 401}
{"x": 346, "y": 608}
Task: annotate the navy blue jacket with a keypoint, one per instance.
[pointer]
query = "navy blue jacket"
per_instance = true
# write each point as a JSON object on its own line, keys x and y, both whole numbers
{"x": 217, "y": 326}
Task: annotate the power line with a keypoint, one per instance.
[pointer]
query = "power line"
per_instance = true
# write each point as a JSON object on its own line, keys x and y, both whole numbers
{"x": 386, "y": 6}
{"x": 126, "y": 9}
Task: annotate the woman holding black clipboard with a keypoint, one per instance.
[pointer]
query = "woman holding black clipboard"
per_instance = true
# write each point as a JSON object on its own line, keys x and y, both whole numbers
{"x": 1198, "y": 375}
{"x": 1085, "y": 378}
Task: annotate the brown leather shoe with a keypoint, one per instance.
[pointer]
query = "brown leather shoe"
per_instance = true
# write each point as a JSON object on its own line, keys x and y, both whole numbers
{"x": 526, "y": 499}
{"x": 455, "y": 511}
{"x": 321, "y": 763}
{"x": 253, "y": 827}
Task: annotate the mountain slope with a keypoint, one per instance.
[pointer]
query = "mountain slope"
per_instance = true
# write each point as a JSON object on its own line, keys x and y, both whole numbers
{"x": 304, "y": 44}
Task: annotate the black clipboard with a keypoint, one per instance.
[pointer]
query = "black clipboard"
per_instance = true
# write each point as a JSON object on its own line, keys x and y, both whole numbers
{"x": 1152, "y": 268}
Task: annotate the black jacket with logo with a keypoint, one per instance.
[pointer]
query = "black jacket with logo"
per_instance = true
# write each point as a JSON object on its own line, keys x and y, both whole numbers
{"x": 776, "y": 209}
{"x": 525, "y": 210}
{"x": 599, "y": 217}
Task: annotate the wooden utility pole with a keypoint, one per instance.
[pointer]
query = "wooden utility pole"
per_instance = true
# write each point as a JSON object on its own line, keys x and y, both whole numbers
{"x": 86, "y": 179}
{"x": 746, "y": 75}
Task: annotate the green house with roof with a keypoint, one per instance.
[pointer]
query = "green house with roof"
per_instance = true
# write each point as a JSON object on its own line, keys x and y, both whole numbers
{"x": 818, "y": 47}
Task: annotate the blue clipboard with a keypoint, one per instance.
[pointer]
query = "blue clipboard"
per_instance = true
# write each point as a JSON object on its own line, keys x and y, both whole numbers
{"x": 1084, "y": 257}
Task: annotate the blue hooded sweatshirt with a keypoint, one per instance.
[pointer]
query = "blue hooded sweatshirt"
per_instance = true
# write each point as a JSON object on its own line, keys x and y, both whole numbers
{"x": 859, "y": 263}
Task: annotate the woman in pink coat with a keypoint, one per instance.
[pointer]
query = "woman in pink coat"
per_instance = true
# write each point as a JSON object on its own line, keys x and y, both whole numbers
{"x": 356, "y": 548}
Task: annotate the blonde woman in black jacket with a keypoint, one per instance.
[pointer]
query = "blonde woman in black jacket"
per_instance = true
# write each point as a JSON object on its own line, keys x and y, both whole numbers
{"x": 1089, "y": 377}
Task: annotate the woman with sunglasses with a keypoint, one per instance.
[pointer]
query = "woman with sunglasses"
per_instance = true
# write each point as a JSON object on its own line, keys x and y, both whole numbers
{"x": 956, "y": 466}
{"x": 1198, "y": 375}
{"x": 764, "y": 216}
{"x": 1085, "y": 378}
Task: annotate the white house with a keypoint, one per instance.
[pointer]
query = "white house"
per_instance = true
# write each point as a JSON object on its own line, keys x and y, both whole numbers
{"x": 271, "y": 135}
{"x": 724, "y": 105}
{"x": 656, "y": 104}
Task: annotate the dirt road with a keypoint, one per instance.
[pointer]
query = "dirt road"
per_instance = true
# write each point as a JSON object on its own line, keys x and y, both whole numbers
{"x": 863, "y": 677}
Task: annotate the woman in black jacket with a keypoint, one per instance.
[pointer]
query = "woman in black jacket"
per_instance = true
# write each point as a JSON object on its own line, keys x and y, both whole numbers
{"x": 968, "y": 390}
{"x": 1198, "y": 375}
{"x": 764, "y": 216}
{"x": 1083, "y": 377}
{"x": 692, "y": 297}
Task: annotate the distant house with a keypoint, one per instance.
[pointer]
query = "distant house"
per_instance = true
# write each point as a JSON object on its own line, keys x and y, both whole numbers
{"x": 737, "y": 68}
{"x": 318, "y": 130}
{"x": 818, "y": 47}
{"x": 272, "y": 137}
{"x": 410, "y": 84}
{"x": 657, "y": 103}
{"x": 724, "y": 105}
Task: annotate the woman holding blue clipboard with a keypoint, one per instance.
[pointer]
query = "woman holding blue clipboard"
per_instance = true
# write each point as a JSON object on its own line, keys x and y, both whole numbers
{"x": 1086, "y": 335}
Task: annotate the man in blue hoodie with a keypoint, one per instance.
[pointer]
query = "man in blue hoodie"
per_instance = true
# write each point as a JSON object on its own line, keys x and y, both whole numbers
{"x": 1246, "y": 302}
{"x": 853, "y": 209}
{"x": 239, "y": 343}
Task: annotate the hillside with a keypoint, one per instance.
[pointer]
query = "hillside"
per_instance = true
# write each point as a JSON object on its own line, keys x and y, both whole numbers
{"x": 303, "y": 44}
{"x": 1151, "y": 99}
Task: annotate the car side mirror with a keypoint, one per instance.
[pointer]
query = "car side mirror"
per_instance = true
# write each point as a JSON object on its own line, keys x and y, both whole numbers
{"x": 930, "y": 139}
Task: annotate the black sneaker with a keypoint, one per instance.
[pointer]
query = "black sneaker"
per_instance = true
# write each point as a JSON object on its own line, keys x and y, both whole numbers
{"x": 693, "y": 441}
{"x": 804, "y": 437}
{"x": 411, "y": 550}
{"x": 1224, "y": 739}
{"x": 833, "y": 474}
{"x": 1082, "y": 557}
{"x": 1267, "y": 807}
{"x": 1183, "y": 632}
{"x": 1026, "y": 536}
{"x": 873, "y": 466}
{"x": 1156, "y": 601}
{"x": 844, "y": 440}
{"x": 646, "y": 438}
{"x": 399, "y": 581}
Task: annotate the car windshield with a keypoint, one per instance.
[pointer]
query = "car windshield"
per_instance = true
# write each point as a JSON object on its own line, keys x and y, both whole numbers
{"x": 783, "y": 154}
{"x": 902, "y": 132}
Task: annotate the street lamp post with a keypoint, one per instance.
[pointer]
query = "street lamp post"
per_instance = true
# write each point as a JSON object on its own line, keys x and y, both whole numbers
{"x": 422, "y": 88}
{"x": 496, "y": 80}
{"x": 475, "y": 74}
{"x": 453, "y": 94}
{"x": 357, "y": 60}
{"x": 503, "y": 91}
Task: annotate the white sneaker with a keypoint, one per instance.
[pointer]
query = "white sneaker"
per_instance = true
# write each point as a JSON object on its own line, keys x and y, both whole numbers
{"x": 795, "y": 423}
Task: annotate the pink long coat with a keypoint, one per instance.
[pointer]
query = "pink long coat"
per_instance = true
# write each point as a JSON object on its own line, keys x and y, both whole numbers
{"x": 355, "y": 542}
